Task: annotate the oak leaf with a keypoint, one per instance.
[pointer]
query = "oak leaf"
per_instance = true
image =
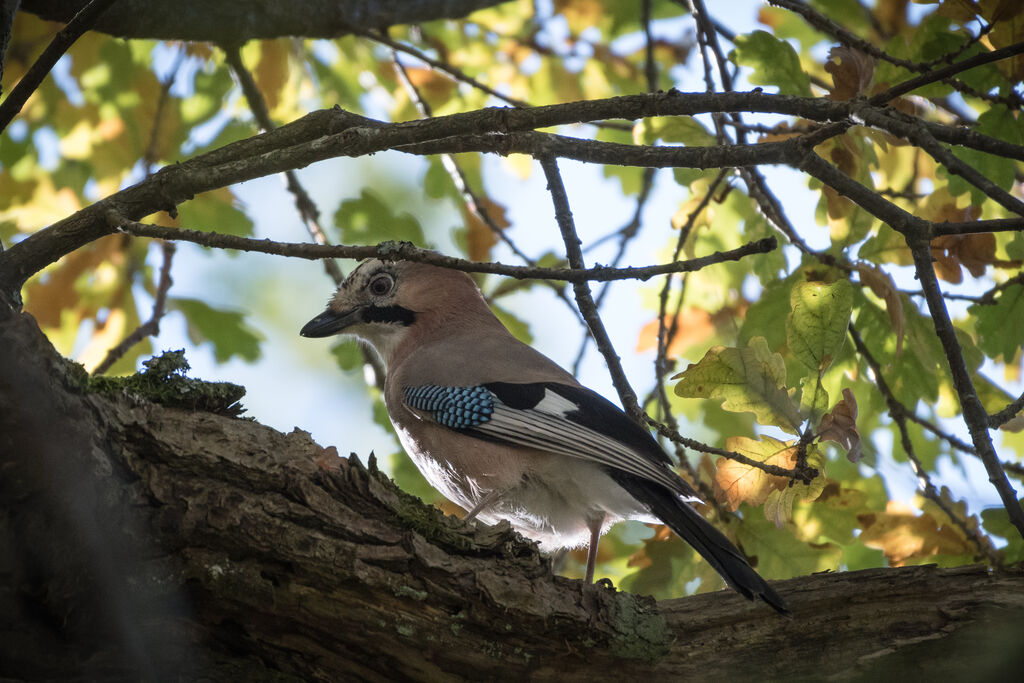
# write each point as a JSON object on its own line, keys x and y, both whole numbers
{"x": 840, "y": 426}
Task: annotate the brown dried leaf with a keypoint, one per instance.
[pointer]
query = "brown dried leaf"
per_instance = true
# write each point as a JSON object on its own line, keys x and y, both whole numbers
{"x": 852, "y": 72}
{"x": 975, "y": 252}
{"x": 779, "y": 132}
{"x": 840, "y": 426}
{"x": 480, "y": 237}
{"x": 1014, "y": 424}
{"x": 433, "y": 85}
{"x": 960, "y": 11}
{"x": 903, "y": 536}
{"x": 881, "y": 283}
{"x": 694, "y": 327}
{"x": 46, "y": 298}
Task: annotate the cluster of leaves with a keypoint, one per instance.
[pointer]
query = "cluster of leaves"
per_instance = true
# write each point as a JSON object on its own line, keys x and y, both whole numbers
{"x": 774, "y": 375}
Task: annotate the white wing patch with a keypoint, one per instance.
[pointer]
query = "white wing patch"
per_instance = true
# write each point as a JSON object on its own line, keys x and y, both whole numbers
{"x": 547, "y": 427}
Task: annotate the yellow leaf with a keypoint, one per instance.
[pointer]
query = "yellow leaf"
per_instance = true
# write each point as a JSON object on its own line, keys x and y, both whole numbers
{"x": 77, "y": 144}
{"x": 271, "y": 71}
{"x": 520, "y": 164}
{"x": 904, "y": 536}
{"x": 737, "y": 482}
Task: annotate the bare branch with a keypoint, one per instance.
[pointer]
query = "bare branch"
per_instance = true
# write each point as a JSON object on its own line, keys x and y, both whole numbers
{"x": 406, "y": 251}
{"x": 65, "y": 38}
{"x": 974, "y": 413}
{"x": 308, "y": 211}
{"x": 584, "y": 300}
{"x": 997, "y": 420}
{"x": 900, "y": 414}
{"x": 152, "y": 326}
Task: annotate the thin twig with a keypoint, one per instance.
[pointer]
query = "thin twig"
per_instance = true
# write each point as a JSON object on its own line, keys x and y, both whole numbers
{"x": 470, "y": 199}
{"x": 935, "y": 75}
{"x": 667, "y": 333}
{"x": 973, "y": 412}
{"x": 821, "y": 22}
{"x": 806, "y": 475}
{"x": 152, "y": 326}
{"x": 60, "y": 44}
{"x": 452, "y": 71}
{"x": 997, "y": 420}
{"x": 584, "y": 300}
{"x": 308, "y": 211}
{"x": 899, "y": 414}
{"x": 149, "y": 158}
{"x": 406, "y": 251}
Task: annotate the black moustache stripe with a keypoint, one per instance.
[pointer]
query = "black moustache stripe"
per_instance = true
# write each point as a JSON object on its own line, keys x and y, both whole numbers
{"x": 389, "y": 314}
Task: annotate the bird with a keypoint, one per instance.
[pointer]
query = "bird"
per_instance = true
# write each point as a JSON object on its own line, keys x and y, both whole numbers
{"x": 504, "y": 432}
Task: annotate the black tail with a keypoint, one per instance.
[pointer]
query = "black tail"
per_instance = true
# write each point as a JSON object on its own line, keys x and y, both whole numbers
{"x": 705, "y": 538}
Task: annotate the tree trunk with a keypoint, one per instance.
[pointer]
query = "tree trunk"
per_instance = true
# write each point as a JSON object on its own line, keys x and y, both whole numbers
{"x": 139, "y": 540}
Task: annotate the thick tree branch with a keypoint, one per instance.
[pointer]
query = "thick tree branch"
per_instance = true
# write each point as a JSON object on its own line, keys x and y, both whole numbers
{"x": 242, "y": 20}
{"x": 188, "y": 545}
{"x": 325, "y": 134}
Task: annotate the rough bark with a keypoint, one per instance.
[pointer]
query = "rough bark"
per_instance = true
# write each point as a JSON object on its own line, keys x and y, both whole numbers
{"x": 140, "y": 540}
{"x": 241, "y": 20}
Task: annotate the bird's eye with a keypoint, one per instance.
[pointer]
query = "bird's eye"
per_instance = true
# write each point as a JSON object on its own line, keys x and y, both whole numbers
{"x": 381, "y": 285}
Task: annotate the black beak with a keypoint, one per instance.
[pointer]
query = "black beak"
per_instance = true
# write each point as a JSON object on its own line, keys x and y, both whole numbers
{"x": 330, "y": 322}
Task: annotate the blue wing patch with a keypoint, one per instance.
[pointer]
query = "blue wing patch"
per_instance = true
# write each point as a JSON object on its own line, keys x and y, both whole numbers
{"x": 453, "y": 407}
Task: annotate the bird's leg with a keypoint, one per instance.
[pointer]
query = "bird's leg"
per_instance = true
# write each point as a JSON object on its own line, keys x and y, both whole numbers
{"x": 484, "y": 502}
{"x": 594, "y": 524}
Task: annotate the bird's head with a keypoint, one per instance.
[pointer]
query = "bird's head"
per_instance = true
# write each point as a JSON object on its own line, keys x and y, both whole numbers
{"x": 383, "y": 303}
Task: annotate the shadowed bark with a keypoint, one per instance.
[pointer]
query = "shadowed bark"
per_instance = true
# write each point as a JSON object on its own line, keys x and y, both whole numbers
{"x": 241, "y": 20}
{"x": 140, "y": 540}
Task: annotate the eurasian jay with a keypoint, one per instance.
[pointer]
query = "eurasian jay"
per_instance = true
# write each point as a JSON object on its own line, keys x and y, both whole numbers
{"x": 504, "y": 432}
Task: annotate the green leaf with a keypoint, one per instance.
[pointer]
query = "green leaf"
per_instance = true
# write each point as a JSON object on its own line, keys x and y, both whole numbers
{"x": 347, "y": 354}
{"x": 814, "y": 399}
{"x": 519, "y": 329}
{"x": 774, "y": 62}
{"x": 763, "y": 316}
{"x": 999, "y": 123}
{"x": 1015, "y": 247}
{"x": 226, "y": 330}
{"x": 750, "y": 379}
{"x": 215, "y": 212}
{"x": 997, "y": 521}
{"x": 778, "y": 506}
{"x": 681, "y": 129}
{"x": 778, "y": 554}
{"x": 995, "y": 335}
{"x": 887, "y": 246}
{"x": 818, "y": 320}
{"x": 371, "y": 219}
